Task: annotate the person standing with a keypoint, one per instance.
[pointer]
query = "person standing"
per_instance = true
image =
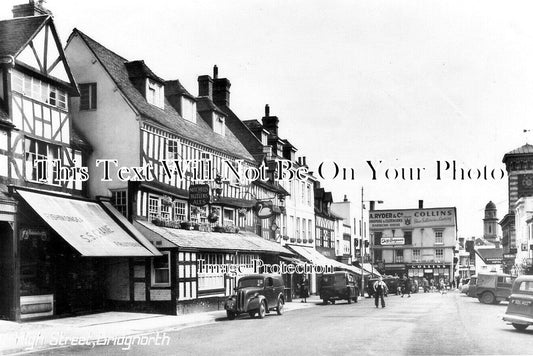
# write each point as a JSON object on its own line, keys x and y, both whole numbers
{"x": 304, "y": 290}
{"x": 380, "y": 289}
{"x": 425, "y": 285}
{"x": 407, "y": 287}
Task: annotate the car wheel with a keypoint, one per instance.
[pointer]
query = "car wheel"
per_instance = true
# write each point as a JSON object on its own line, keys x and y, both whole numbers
{"x": 349, "y": 299}
{"x": 325, "y": 301}
{"x": 281, "y": 304}
{"x": 487, "y": 298}
{"x": 252, "y": 314}
{"x": 262, "y": 310}
{"x": 230, "y": 314}
{"x": 355, "y": 299}
{"x": 332, "y": 302}
{"x": 520, "y": 326}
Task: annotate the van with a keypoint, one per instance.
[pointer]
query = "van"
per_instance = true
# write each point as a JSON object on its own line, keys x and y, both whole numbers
{"x": 338, "y": 285}
{"x": 494, "y": 287}
{"x": 520, "y": 309}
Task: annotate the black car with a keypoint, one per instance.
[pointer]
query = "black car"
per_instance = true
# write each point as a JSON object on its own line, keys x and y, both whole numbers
{"x": 256, "y": 294}
{"x": 338, "y": 285}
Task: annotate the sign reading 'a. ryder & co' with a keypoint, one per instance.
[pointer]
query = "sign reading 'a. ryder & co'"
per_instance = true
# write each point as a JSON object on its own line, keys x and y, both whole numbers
{"x": 410, "y": 219}
{"x": 199, "y": 194}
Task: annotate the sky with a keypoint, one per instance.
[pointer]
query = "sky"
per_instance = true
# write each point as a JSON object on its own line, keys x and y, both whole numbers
{"x": 409, "y": 83}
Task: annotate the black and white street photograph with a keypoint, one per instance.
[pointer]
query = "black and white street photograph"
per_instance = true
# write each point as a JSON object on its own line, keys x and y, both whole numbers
{"x": 266, "y": 177}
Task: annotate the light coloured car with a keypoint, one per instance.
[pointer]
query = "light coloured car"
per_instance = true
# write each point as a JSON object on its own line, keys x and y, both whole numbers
{"x": 520, "y": 309}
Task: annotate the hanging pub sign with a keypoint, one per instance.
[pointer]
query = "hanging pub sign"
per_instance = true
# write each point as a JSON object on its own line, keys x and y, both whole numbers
{"x": 264, "y": 209}
{"x": 199, "y": 194}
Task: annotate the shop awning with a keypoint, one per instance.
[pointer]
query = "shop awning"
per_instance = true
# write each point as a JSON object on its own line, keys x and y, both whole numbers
{"x": 85, "y": 226}
{"x": 368, "y": 269}
{"x": 214, "y": 241}
{"x": 315, "y": 257}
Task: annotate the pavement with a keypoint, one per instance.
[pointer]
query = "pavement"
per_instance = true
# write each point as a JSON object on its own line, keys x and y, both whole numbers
{"x": 97, "y": 329}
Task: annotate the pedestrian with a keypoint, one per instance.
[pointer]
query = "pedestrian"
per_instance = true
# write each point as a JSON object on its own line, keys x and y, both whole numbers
{"x": 442, "y": 286}
{"x": 425, "y": 285}
{"x": 407, "y": 287}
{"x": 304, "y": 290}
{"x": 380, "y": 289}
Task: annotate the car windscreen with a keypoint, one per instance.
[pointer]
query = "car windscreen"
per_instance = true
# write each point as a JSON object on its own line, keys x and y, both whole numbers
{"x": 251, "y": 282}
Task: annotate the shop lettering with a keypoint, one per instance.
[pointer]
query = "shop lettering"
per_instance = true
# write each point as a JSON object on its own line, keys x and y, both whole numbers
{"x": 98, "y": 233}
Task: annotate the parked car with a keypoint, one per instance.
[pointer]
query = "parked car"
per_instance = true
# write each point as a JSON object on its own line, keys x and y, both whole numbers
{"x": 338, "y": 285}
{"x": 391, "y": 282}
{"x": 472, "y": 287}
{"x": 493, "y": 288}
{"x": 256, "y": 294}
{"x": 464, "y": 286}
{"x": 520, "y": 309}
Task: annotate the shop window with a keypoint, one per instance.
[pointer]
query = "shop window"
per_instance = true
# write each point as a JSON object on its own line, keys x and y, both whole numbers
{"x": 161, "y": 269}
{"x": 35, "y": 262}
{"x": 88, "y": 96}
{"x": 119, "y": 199}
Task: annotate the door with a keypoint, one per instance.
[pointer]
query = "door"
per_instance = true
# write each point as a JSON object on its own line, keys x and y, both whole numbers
{"x": 503, "y": 287}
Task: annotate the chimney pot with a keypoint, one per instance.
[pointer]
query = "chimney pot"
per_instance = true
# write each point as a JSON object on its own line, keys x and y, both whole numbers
{"x": 420, "y": 204}
{"x": 267, "y": 110}
{"x": 345, "y": 197}
{"x": 215, "y": 72}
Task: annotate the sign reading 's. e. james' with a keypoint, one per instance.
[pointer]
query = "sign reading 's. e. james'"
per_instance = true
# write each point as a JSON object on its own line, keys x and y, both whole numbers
{"x": 405, "y": 219}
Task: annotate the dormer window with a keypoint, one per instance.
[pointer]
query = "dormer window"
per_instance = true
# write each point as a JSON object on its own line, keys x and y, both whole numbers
{"x": 219, "y": 124}
{"x": 155, "y": 93}
{"x": 188, "y": 109}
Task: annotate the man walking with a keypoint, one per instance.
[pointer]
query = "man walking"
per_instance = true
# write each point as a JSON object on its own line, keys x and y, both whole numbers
{"x": 380, "y": 289}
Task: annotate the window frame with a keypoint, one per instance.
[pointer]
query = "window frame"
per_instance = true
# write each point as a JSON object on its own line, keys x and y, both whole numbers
{"x": 153, "y": 270}
{"x": 92, "y": 96}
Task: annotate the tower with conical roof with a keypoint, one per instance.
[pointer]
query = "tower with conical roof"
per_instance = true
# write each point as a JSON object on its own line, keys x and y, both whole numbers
{"x": 490, "y": 223}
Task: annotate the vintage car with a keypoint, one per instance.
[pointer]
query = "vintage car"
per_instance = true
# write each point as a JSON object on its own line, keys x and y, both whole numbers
{"x": 493, "y": 288}
{"x": 338, "y": 285}
{"x": 256, "y": 294}
{"x": 520, "y": 309}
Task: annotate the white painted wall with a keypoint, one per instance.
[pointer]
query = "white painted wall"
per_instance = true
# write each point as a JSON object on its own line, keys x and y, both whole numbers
{"x": 112, "y": 129}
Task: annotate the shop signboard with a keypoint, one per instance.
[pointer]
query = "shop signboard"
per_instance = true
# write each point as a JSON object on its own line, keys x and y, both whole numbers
{"x": 392, "y": 241}
{"x": 199, "y": 194}
{"x": 410, "y": 219}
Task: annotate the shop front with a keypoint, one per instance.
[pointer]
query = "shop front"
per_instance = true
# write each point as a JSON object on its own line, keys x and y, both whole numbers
{"x": 67, "y": 248}
{"x": 198, "y": 269}
{"x": 430, "y": 271}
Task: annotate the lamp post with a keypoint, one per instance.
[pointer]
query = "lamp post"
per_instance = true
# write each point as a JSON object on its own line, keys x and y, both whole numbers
{"x": 362, "y": 230}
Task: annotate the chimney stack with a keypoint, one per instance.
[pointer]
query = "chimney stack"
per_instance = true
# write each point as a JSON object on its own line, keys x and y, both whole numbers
{"x": 420, "y": 204}
{"x": 345, "y": 198}
{"x": 32, "y": 8}
{"x": 372, "y": 205}
{"x": 270, "y": 123}
{"x": 220, "y": 89}
{"x": 205, "y": 86}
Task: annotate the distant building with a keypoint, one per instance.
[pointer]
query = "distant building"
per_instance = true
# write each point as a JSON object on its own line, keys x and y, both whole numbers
{"x": 519, "y": 165}
{"x": 414, "y": 242}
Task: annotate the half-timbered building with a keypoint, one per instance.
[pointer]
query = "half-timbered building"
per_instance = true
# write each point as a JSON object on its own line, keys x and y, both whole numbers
{"x": 52, "y": 240}
{"x": 193, "y": 212}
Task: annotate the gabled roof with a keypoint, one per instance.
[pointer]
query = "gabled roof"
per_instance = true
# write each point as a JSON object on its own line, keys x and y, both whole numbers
{"x": 526, "y": 149}
{"x": 199, "y": 132}
{"x": 17, "y": 32}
